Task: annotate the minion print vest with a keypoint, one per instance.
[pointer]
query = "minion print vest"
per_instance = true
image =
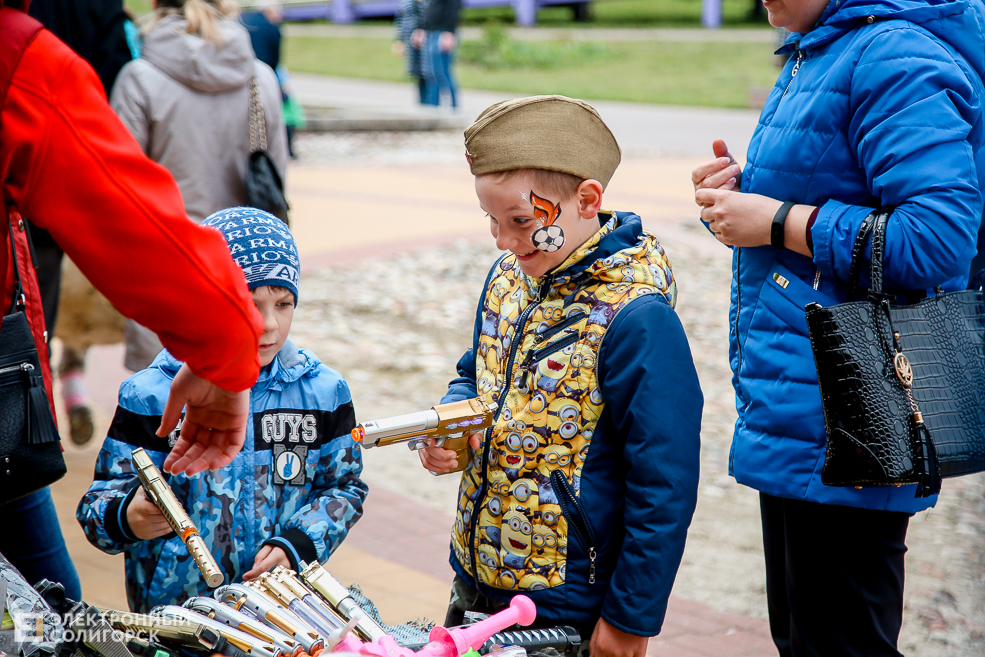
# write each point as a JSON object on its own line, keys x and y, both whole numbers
{"x": 537, "y": 357}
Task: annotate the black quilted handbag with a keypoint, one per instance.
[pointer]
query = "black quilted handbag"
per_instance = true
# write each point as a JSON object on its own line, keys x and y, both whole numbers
{"x": 903, "y": 386}
{"x": 264, "y": 186}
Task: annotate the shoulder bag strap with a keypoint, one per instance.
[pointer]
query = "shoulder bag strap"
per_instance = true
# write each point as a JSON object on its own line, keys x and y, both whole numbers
{"x": 258, "y": 122}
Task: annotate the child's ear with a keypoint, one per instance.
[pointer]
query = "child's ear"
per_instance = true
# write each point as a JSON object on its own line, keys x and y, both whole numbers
{"x": 589, "y": 197}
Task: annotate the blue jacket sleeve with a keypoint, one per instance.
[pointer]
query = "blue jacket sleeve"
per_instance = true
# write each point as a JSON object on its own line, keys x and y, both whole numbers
{"x": 463, "y": 386}
{"x": 102, "y": 510}
{"x": 915, "y": 106}
{"x": 335, "y": 502}
{"x": 650, "y": 387}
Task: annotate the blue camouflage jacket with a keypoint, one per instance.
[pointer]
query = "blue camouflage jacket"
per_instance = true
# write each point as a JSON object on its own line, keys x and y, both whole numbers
{"x": 879, "y": 105}
{"x": 295, "y": 485}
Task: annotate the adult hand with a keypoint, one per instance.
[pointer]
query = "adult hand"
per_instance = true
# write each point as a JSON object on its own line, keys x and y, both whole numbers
{"x": 145, "y": 519}
{"x": 267, "y": 558}
{"x": 214, "y": 428}
{"x": 446, "y": 42}
{"x": 607, "y": 641}
{"x": 721, "y": 173}
{"x": 418, "y": 38}
{"x": 439, "y": 460}
{"x": 397, "y": 48}
{"x": 737, "y": 219}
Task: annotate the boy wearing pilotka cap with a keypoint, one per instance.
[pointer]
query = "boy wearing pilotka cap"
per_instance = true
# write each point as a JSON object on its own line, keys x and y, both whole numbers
{"x": 581, "y": 494}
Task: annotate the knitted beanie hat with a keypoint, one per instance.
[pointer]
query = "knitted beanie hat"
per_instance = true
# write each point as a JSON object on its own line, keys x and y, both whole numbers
{"x": 262, "y": 245}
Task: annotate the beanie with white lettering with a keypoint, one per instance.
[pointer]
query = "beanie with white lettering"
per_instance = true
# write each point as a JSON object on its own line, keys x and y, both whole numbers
{"x": 262, "y": 245}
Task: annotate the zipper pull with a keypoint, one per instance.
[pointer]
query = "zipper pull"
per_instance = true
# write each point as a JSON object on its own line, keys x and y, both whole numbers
{"x": 796, "y": 65}
{"x": 591, "y": 565}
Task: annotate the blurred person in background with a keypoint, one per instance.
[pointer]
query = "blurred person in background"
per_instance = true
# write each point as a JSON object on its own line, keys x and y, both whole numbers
{"x": 437, "y": 40}
{"x": 187, "y": 102}
{"x": 407, "y": 21}
{"x": 263, "y": 24}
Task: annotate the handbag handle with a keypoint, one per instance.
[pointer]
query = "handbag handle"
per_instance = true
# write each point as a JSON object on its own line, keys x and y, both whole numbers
{"x": 860, "y": 241}
{"x": 258, "y": 122}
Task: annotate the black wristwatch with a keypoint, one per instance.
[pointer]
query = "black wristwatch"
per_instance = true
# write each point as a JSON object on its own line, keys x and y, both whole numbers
{"x": 779, "y": 219}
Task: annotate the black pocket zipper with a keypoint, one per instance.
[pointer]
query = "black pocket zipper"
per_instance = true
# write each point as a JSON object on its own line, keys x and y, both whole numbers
{"x": 577, "y": 520}
{"x": 557, "y": 328}
{"x": 20, "y": 368}
{"x": 535, "y": 356}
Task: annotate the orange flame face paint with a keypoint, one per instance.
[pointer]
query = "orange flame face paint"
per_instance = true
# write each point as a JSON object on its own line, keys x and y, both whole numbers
{"x": 544, "y": 210}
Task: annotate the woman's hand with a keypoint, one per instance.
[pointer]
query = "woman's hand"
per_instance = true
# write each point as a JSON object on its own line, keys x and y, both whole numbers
{"x": 741, "y": 219}
{"x": 721, "y": 173}
{"x": 735, "y": 218}
{"x": 438, "y": 460}
{"x": 267, "y": 558}
{"x": 145, "y": 519}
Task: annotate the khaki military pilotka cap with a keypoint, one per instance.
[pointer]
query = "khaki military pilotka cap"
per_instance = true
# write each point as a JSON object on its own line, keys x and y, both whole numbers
{"x": 543, "y": 132}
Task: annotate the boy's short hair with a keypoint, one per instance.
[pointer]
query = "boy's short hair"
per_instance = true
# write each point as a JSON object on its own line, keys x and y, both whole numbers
{"x": 555, "y": 184}
{"x": 553, "y": 133}
{"x": 262, "y": 245}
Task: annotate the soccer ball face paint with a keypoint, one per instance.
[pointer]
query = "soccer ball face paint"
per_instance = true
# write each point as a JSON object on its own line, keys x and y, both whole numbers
{"x": 549, "y": 237}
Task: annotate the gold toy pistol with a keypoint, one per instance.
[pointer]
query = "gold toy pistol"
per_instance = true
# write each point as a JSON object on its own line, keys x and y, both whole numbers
{"x": 160, "y": 494}
{"x": 448, "y": 424}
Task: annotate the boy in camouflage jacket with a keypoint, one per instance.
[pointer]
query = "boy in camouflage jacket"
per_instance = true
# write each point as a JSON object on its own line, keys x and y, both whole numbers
{"x": 290, "y": 495}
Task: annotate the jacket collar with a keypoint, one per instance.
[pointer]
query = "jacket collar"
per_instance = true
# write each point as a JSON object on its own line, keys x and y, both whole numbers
{"x": 290, "y": 365}
{"x": 957, "y": 22}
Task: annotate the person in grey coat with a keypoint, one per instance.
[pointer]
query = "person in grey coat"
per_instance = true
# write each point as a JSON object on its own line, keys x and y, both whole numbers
{"x": 187, "y": 102}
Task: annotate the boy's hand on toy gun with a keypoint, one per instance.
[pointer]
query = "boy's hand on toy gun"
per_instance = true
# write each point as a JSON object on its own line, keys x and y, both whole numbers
{"x": 214, "y": 428}
{"x": 608, "y": 641}
{"x": 267, "y": 558}
{"x": 145, "y": 519}
{"x": 440, "y": 460}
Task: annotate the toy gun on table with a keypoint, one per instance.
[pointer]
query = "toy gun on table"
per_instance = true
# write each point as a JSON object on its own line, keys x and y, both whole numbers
{"x": 448, "y": 424}
{"x": 317, "y": 578}
{"x": 160, "y": 494}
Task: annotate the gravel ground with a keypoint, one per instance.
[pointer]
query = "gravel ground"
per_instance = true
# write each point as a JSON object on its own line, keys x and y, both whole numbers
{"x": 396, "y": 328}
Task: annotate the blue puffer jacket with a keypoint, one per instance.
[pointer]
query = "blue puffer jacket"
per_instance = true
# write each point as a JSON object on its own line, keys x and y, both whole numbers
{"x": 880, "y": 104}
{"x": 295, "y": 485}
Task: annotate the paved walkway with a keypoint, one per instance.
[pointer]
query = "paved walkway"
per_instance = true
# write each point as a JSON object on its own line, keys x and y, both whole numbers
{"x": 397, "y": 552}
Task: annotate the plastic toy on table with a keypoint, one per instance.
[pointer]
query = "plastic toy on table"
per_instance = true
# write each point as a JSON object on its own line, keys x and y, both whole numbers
{"x": 446, "y": 642}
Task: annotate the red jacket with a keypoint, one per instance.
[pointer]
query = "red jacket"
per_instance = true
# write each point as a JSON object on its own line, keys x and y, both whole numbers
{"x": 69, "y": 164}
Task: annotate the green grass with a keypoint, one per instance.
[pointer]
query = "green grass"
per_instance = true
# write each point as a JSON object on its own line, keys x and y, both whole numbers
{"x": 627, "y": 13}
{"x": 605, "y": 13}
{"x": 139, "y": 7}
{"x": 690, "y": 73}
